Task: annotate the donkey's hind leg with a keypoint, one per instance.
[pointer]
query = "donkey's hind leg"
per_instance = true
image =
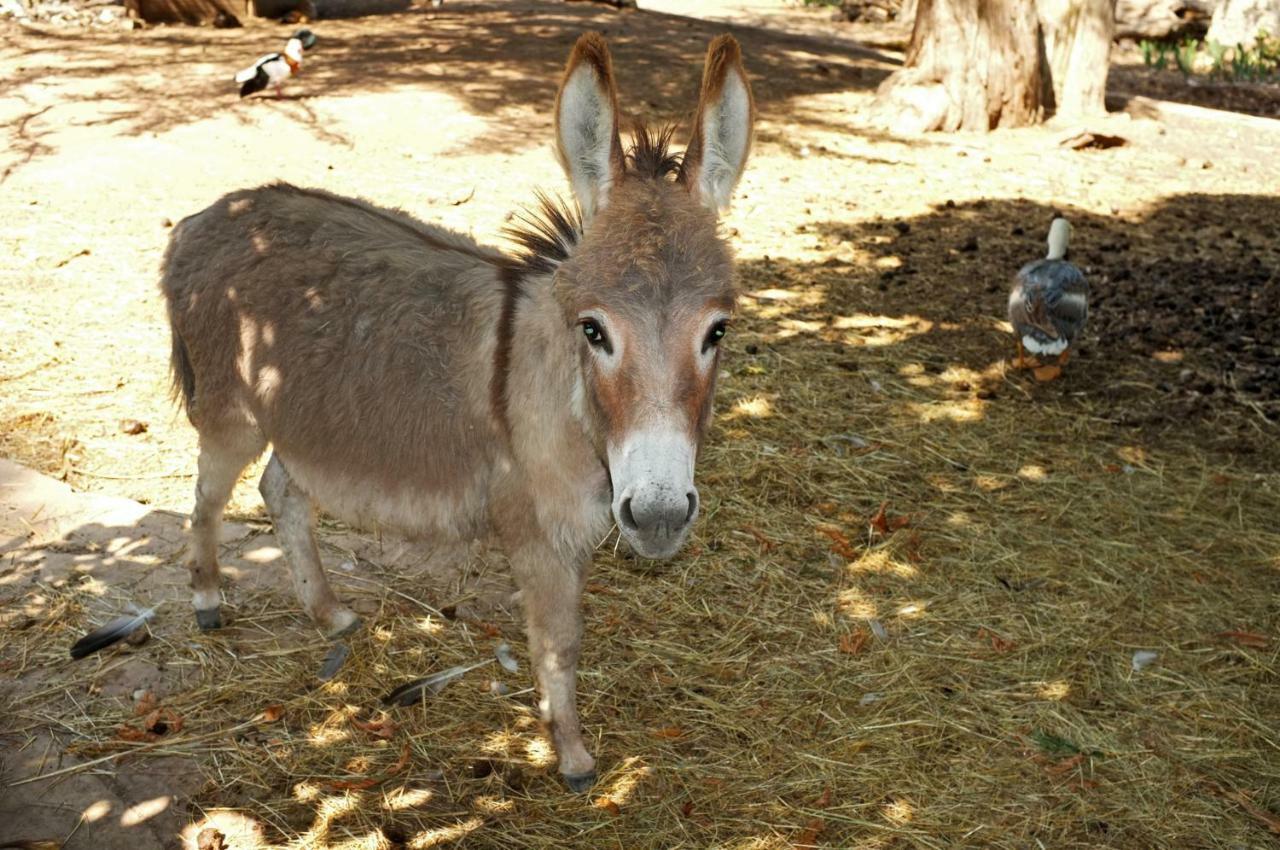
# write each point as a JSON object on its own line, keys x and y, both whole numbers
{"x": 293, "y": 516}
{"x": 221, "y": 462}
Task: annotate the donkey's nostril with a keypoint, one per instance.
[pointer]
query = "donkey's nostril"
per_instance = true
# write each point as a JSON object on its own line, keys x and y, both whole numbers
{"x": 628, "y": 518}
{"x": 693, "y": 506}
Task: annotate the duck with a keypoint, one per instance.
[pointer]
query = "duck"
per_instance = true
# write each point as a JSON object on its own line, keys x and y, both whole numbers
{"x": 274, "y": 68}
{"x": 1048, "y": 307}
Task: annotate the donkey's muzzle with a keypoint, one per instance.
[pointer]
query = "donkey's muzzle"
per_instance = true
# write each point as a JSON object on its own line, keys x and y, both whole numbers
{"x": 656, "y": 521}
{"x": 654, "y": 500}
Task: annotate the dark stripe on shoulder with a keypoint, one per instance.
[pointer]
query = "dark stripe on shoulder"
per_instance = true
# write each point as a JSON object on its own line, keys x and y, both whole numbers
{"x": 511, "y": 277}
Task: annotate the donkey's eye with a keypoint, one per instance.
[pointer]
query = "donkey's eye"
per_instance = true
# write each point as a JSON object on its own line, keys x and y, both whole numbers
{"x": 717, "y": 332}
{"x": 595, "y": 335}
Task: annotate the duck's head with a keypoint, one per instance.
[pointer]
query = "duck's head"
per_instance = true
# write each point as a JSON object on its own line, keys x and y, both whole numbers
{"x": 306, "y": 39}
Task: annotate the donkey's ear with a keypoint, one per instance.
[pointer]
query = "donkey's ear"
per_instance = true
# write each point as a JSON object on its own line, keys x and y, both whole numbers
{"x": 587, "y": 140}
{"x": 721, "y": 128}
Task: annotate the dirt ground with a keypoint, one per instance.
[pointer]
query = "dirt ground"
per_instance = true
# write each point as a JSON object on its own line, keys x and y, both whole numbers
{"x": 802, "y": 675}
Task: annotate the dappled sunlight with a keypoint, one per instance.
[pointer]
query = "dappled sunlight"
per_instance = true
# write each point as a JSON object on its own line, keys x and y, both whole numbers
{"x": 241, "y": 831}
{"x": 334, "y": 729}
{"x": 263, "y": 555}
{"x": 872, "y": 330}
{"x": 959, "y": 410}
{"x": 429, "y": 626}
{"x": 855, "y": 604}
{"x": 406, "y": 798}
{"x": 990, "y": 483}
{"x": 881, "y": 562}
{"x": 1033, "y": 472}
{"x": 501, "y": 742}
{"x": 630, "y": 774}
{"x": 538, "y": 752}
{"x": 95, "y": 811}
{"x": 753, "y": 407}
{"x": 492, "y": 805}
{"x": 912, "y": 610}
{"x": 327, "y": 811}
{"x": 444, "y": 834}
{"x": 144, "y": 811}
{"x": 305, "y": 792}
{"x": 898, "y": 812}
{"x": 1055, "y": 691}
{"x": 788, "y": 328}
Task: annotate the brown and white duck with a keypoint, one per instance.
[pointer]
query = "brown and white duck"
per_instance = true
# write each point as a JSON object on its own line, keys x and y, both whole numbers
{"x": 1048, "y": 307}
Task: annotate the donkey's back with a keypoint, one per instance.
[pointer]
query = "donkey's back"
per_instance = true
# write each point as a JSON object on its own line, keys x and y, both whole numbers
{"x": 356, "y": 340}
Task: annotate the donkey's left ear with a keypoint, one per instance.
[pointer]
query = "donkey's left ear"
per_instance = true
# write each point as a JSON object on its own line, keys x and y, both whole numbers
{"x": 722, "y": 127}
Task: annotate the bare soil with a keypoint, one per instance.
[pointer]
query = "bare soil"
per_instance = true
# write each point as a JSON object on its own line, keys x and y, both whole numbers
{"x": 739, "y": 697}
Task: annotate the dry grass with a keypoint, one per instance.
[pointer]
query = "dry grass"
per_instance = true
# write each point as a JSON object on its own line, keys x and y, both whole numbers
{"x": 957, "y": 672}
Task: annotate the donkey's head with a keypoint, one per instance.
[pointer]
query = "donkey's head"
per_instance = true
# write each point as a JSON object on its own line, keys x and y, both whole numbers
{"x": 649, "y": 290}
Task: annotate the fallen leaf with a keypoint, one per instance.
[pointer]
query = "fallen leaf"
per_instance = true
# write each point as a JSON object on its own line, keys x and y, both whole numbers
{"x": 1113, "y": 468}
{"x": 668, "y": 732}
{"x": 1065, "y": 766}
{"x": 1168, "y": 356}
{"x": 884, "y": 525}
{"x": 133, "y": 427}
{"x": 380, "y": 727}
{"x": 765, "y": 543}
{"x": 608, "y": 805}
{"x": 272, "y": 713}
{"x": 998, "y": 643}
{"x": 808, "y": 836}
{"x": 1251, "y": 639}
{"x": 687, "y": 809}
{"x": 839, "y": 543}
{"x": 146, "y": 704}
{"x": 851, "y": 643}
{"x": 824, "y": 799}
{"x": 131, "y": 733}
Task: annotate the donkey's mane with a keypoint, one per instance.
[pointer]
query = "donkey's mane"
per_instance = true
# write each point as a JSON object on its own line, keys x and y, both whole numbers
{"x": 549, "y": 231}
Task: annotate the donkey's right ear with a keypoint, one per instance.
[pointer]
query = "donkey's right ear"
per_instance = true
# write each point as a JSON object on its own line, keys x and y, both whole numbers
{"x": 587, "y": 140}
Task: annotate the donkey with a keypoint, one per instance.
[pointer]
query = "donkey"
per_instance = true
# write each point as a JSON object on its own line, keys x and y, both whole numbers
{"x": 407, "y": 376}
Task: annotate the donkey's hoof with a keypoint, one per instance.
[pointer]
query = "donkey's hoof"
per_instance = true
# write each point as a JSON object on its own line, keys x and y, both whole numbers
{"x": 209, "y": 619}
{"x": 343, "y": 623}
{"x": 580, "y": 783}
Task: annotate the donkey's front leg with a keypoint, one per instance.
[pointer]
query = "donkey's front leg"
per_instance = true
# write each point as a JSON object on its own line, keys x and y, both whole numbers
{"x": 552, "y": 591}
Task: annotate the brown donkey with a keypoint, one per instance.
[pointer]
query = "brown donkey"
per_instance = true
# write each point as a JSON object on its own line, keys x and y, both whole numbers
{"x": 406, "y": 376}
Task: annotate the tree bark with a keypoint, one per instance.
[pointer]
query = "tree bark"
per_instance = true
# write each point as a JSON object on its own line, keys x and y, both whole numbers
{"x": 1161, "y": 19}
{"x": 198, "y": 12}
{"x": 971, "y": 65}
{"x": 1239, "y": 22}
{"x": 1077, "y": 42}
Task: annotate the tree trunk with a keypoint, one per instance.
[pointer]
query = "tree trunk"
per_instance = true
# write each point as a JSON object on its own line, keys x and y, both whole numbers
{"x": 971, "y": 65}
{"x": 1161, "y": 19}
{"x": 1239, "y": 22}
{"x": 1077, "y": 42}
{"x": 198, "y": 12}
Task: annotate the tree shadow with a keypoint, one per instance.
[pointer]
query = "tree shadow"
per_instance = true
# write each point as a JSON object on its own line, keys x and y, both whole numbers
{"x": 486, "y": 58}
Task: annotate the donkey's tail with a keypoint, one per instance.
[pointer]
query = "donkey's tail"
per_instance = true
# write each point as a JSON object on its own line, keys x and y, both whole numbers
{"x": 184, "y": 377}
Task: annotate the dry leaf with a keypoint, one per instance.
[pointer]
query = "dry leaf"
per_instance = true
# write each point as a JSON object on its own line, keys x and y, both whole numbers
{"x": 998, "y": 643}
{"x": 608, "y": 805}
{"x": 668, "y": 732}
{"x": 687, "y": 809}
{"x": 765, "y": 543}
{"x": 1065, "y": 766}
{"x": 380, "y": 727}
{"x": 146, "y": 704}
{"x": 808, "y": 836}
{"x": 839, "y": 543}
{"x": 851, "y": 643}
{"x": 272, "y": 713}
{"x": 824, "y": 800}
{"x": 1251, "y": 639}
{"x": 884, "y": 525}
{"x": 131, "y": 733}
